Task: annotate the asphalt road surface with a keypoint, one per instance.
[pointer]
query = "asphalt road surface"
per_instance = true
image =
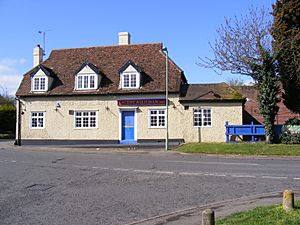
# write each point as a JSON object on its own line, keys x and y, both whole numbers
{"x": 54, "y": 187}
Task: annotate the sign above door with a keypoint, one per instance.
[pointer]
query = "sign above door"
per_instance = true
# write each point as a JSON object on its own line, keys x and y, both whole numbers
{"x": 142, "y": 102}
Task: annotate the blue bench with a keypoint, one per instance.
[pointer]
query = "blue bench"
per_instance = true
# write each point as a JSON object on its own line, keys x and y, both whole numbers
{"x": 252, "y": 130}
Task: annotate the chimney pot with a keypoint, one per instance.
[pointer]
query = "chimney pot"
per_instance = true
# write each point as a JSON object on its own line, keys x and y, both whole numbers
{"x": 124, "y": 38}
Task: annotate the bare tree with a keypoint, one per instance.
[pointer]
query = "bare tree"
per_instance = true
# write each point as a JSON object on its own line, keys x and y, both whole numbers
{"x": 239, "y": 41}
{"x": 235, "y": 82}
{"x": 244, "y": 46}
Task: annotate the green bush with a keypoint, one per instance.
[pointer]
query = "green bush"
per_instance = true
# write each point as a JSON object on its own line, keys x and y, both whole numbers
{"x": 287, "y": 137}
{"x": 7, "y": 119}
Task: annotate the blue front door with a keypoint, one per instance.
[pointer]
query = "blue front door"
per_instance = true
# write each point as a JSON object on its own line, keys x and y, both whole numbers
{"x": 128, "y": 127}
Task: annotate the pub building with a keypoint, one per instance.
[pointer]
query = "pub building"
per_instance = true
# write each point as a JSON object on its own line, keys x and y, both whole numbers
{"x": 117, "y": 94}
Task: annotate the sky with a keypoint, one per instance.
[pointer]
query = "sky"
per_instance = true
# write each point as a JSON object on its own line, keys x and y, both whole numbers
{"x": 184, "y": 27}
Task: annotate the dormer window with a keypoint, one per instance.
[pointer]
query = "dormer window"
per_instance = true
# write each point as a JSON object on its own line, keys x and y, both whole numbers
{"x": 86, "y": 81}
{"x": 41, "y": 79}
{"x": 130, "y": 76}
{"x": 129, "y": 80}
{"x": 87, "y": 77}
{"x": 39, "y": 84}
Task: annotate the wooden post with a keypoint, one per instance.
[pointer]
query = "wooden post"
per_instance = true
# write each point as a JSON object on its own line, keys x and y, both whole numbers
{"x": 208, "y": 217}
{"x": 288, "y": 200}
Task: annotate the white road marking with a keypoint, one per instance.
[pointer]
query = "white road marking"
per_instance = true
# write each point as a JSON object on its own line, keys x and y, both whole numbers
{"x": 13, "y": 161}
{"x": 103, "y": 168}
{"x": 270, "y": 177}
{"x": 214, "y": 163}
{"x": 143, "y": 171}
{"x": 120, "y": 169}
{"x": 179, "y": 173}
{"x": 243, "y": 176}
{"x": 190, "y": 174}
{"x": 164, "y": 172}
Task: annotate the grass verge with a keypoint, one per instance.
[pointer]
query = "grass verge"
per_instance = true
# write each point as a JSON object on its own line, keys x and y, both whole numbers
{"x": 241, "y": 149}
{"x": 272, "y": 215}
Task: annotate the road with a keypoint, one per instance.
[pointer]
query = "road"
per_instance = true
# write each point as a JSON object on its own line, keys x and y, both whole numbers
{"x": 65, "y": 187}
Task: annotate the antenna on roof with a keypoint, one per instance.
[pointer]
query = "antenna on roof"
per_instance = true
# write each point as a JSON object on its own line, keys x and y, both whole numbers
{"x": 43, "y": 32}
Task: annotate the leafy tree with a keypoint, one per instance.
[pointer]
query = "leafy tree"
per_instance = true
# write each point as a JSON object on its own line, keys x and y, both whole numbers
{"x": 244, "y": 46}
{"x": 286, "y": 34}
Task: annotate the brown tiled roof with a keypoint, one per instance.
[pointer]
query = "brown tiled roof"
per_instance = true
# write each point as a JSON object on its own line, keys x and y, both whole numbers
{"x": 251, "y": 107}
{"x": 211, "y": 92}
{"x": 149, "y": 57}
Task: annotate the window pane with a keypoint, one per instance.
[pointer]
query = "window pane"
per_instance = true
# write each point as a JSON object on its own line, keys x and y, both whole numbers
{"x": 79, "y": 82}
{"x": 34, "y": 122}
{"x": 92, "y": 81}
{"x": 41, "y": 122}
{"x": 197, "y": 117}
{"x": 36, "y": 84}
{"x": 93, "y": 122}
{"x": 85, "y": 81}
{"x": 78, "y": 122}
{"x": 133, "y": 80}
{"x": 42, "y": 84}
{"x": 126, "y": 80}
{"x": 153, "y": 121}
{"x": 206, "y": 117}
{"x": 161, "y": 121}
{"x": 85, "y": 122}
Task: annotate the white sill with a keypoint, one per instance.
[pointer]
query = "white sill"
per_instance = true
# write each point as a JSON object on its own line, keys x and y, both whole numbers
{"x": 85, "y": 128}
{"x": 130, "y": 87}
{"x": 37, "y": 128}
{"x": 39, "y": 91}
{"x": 157, "y": 127}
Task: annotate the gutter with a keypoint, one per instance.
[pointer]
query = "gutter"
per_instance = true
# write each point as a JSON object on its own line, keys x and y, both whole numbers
{"x": 210, "y": 100}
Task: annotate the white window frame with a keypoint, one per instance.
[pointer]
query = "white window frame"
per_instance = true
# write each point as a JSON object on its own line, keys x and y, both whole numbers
{"x": 88, "y": 75}
{"x": 202, "y": 118}
{"x": 39, "y": 89}
{"x": 157, "y": 118}
{"x": 89, "y": 119}
{"x": 130, "y": 75}
{"x": 37, "y": 117}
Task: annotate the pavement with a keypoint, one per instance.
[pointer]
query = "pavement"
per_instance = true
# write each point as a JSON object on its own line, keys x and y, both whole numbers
{"x": 193, "y": 216}
{"x": 186, "y": 216}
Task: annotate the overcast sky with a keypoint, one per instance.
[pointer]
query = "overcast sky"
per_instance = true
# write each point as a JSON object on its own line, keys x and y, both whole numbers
{"x": 185, "y": 28}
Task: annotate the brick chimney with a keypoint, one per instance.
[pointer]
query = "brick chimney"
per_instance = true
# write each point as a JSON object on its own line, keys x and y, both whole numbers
{"x": 37, "y": 55}
{"x": 124, "y": 38}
